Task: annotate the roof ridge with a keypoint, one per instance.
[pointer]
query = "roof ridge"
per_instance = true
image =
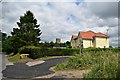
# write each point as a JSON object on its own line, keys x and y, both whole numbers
{"x": 90, "y": 34}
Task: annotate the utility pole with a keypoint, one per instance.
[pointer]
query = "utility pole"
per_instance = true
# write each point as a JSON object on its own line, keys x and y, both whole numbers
{"x": 81, "y": 45}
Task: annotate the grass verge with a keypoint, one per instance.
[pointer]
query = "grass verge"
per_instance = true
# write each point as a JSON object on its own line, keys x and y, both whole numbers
{"x": 103, "y": 64}
{"x": 14, "y": 58}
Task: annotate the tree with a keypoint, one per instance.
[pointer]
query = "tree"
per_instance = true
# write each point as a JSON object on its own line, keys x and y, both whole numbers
{"x": 68, "y": 44}
{"x": 3, "y": 36}
{"x": 7, "y": 45}
{"x": 51, "y": 44}
{"x": 28, "y": 30}
{"x": 27, "y": 33}
{"x": 11, "y": 44}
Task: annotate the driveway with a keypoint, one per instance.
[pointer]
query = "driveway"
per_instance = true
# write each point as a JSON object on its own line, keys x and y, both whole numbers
{"x": 22, "y": 71}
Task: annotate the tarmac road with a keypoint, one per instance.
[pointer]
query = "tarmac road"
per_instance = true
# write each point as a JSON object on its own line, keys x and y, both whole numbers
{"x": 22, "y": 71}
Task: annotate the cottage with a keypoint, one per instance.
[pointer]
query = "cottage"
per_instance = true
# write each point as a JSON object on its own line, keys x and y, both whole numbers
{"x": 74, "y": 41}
{"x": 90, "y": 39}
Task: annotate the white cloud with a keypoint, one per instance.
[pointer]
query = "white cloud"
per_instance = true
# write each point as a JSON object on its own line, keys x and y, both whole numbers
{"x": 102, "y": 0}
{"x": 60, "y": 0}
{"x": 61, "y": 19}
{"x": 110, "y": 22}
{"x": 39, "y": 1}
{"x": 104, "y": 9}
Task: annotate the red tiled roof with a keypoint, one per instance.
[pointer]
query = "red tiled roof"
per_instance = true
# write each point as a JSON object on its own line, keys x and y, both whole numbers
{"x": 74, "y": 36}
{"x": 91, "y": 34}
{"x": 87, "y": 35}
{"x": 101, "y": 35}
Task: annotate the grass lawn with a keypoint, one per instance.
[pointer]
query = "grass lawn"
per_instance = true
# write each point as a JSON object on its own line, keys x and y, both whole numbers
{"x": 14, "y": 58}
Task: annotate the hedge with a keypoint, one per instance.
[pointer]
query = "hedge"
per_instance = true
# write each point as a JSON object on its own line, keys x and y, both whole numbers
{"x": 101, "y": 49}
{"x": 36, "y": 52}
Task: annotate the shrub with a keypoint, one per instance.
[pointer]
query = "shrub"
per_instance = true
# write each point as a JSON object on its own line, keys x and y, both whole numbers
{"x": 26, "y": 49}
{"x": 79, "y": 61}
{"x": 103, "y": 64}
{"x": 36, "y": 52}
{"x": 107, "y": 67}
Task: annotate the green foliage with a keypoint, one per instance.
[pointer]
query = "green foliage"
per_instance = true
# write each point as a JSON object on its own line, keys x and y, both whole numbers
{"x": 68, "y": 44}
{"x": 107, "y": 67}
{"x": 46, "y": 45}
{"x": 28, "y": 30}
{"x": 7, "y": 45}
{"x": 103, "y": 64}
{"x": 91, "y": 49}
{"x": 28, "y": 33}
{"x": 36, "y": 52}
{"x": 51, "y": 44}
{"x": 79, "y": 61}
{"x": 3, "y": 37}
{"x": 11, "y": 44}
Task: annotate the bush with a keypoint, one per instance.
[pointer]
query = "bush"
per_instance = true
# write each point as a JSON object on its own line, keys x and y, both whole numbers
{"x": 79, "y": 61}
{"x": 36, "y": 52}
{"x": 107, "y": 67}
{"x": 26, "y": 49}
{"x": 103, "y": 64}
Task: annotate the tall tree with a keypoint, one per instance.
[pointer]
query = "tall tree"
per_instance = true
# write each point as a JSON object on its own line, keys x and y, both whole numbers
{"x": 28, "y": 30}
{"x": 27, "y": 33}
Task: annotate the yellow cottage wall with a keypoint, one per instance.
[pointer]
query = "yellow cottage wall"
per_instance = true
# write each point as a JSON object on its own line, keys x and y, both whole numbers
{"x": 101, "y": 42}
{"x": 73, "y": 43}
{"x": 87, "y": 43}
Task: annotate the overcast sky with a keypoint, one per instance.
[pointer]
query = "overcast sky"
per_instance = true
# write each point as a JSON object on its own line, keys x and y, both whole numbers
{"x": 63, "y": 19}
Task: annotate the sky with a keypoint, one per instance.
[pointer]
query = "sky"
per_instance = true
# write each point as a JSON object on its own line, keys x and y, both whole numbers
{"x": 62, "y": 19}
